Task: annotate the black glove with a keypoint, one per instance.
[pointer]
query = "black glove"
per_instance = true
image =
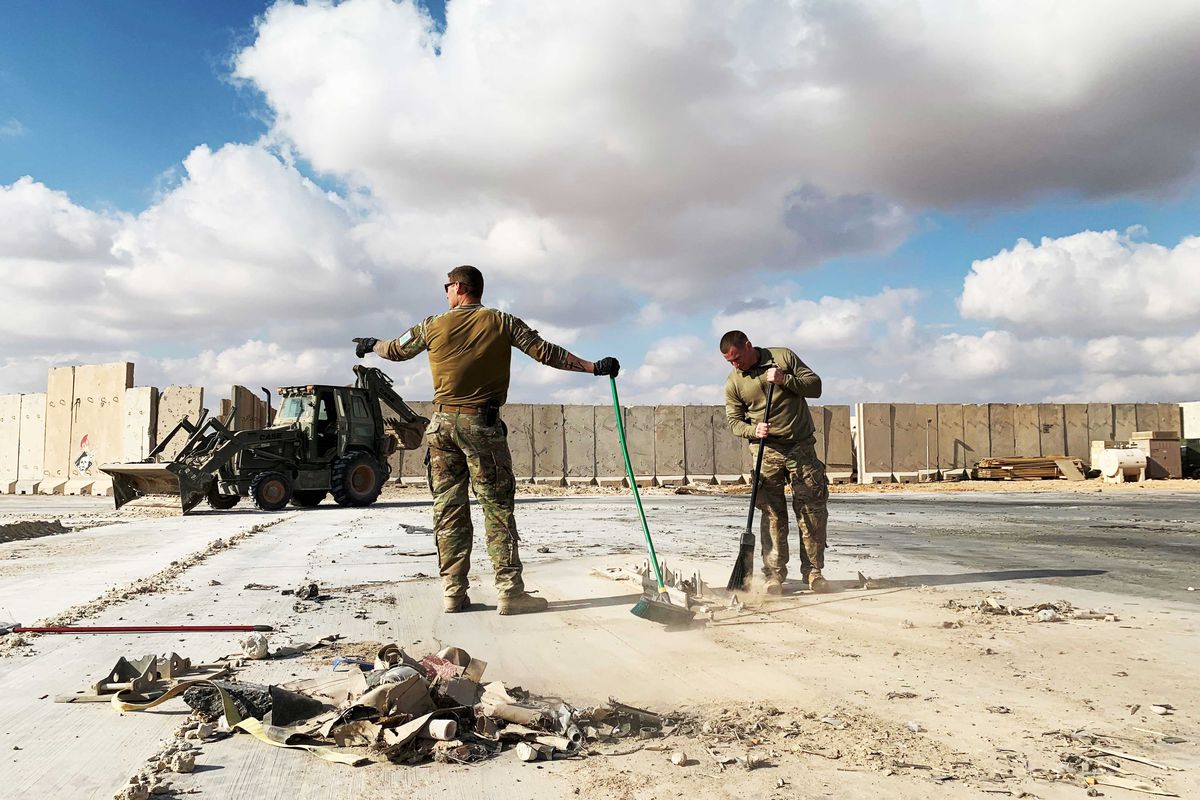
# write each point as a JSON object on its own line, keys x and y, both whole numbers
{"x": 606, "y": 366}
{"x": 364, "y": 345}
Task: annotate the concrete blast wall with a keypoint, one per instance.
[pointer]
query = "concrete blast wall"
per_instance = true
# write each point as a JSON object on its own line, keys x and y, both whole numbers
{"x": 559, "y": 445}
{"x": 174, "y": 404}
{"x": 91, "y": 415}
{"x": 97, "y": 424}
{"x": 56, "y": 456}
{"x": 33, "y": 443}
{"x": 141, "y": 427}
{"x": 892, "y": 439}
{"x": 10, "y": 441}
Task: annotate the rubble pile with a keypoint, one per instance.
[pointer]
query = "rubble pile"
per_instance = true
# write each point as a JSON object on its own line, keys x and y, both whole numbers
{"x": 408, "y": 711}
{"x": 1040, "y": 612}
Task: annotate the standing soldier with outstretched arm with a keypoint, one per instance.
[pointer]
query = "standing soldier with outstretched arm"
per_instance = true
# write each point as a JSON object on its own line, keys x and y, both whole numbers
{"x": 789, "y": 454}
{"x": 470, "y": 351}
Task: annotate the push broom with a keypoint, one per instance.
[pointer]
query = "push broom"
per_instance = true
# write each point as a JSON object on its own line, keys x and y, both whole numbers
{"x": 654, "y": 606}
{"x": 744, "y": 566}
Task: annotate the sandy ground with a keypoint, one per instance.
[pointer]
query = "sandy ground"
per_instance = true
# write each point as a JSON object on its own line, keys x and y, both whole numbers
{"x": 902, "y": 689}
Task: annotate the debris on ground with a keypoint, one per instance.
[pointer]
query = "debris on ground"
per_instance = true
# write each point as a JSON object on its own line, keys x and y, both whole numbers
{"x": 144, "y": 678}
{"x": 1040, "y": 612}
{"x": 1094, "y": 761}
{"x": 174, "y": 756}
{"x": 407, "y": 710}
{"x": 255, "y": 646}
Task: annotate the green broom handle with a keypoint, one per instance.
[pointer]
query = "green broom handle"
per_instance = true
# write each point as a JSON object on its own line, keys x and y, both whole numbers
{"x": 637, "y": 498}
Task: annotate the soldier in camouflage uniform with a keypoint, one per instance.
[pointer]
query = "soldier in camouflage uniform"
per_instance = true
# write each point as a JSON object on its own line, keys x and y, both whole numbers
{"x": 470, "y": 350}
{"x": 789, "y": 454}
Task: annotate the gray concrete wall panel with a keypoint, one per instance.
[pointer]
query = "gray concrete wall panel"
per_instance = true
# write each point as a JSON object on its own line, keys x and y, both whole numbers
{"x": 914, "y": 439}
{"x": 245, "y": 409}
{"x": 1100, "y": 423}
{"x": 699, "y": 465}
{"x": 668, "y": 443}
{"x": 549, "y": 447}
{"x": 10, "y": 441}
{"x": 839, "y": 447}
{"x": 874, "y": 441}
{"x": 952, "y": 445}
{"x": 1124, "y": 421}
{"x": 977, "y": 436}
{"x": 820, "y": 430}
{"x": 518, "y": 418}
{"x": 140, "y": 428}
{"x": 1170, "y": 418}
{"x": 839, "y": 444}
{"x": 1146, "y": 416}
{"x": 176, "y": 403}
{"x": 1002, "y": 419}
{"x": 610, "y": 466}
{"x": 98, "y": 422}
{"x": 906, "y": 430}
{"x": 33, "y": 442}
{"x": 639, "y": 436}
{"x": 579, "y": 432}
{"x": 1075, "y": 417}
{"x": 729, "y": 456}
{"x": 56, "y": 458}
{"x": 1052, "y": 429}
{"x": 1027, "y": 433}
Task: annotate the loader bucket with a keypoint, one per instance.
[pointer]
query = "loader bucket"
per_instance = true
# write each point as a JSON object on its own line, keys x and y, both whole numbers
{"x": 131, "y": 481}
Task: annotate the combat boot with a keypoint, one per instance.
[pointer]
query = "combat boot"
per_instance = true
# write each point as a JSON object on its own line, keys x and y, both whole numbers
{"x": 773, "y": 585}
{"x": 818, "y": 584}
{"x": 453, "y": 605}
{"x": 523, "y": 603}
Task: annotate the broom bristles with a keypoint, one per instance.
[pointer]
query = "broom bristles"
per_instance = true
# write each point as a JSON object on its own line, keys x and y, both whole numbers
{"x": 737, "y": 578}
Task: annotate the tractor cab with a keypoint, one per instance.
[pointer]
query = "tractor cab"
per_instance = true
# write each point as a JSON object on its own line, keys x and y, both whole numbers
{"x": 318, "y": 412}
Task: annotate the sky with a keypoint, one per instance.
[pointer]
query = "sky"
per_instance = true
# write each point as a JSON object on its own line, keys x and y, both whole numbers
{"x": 955, "y": 201}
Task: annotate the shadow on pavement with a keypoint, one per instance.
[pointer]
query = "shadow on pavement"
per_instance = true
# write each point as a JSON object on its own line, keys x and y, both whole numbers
{"x": 594, "y": 602}
{"x": 903, "y": 581}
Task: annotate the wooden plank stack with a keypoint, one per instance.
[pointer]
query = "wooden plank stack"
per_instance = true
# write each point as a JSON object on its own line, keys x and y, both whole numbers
{"x": 1022, "y": 469}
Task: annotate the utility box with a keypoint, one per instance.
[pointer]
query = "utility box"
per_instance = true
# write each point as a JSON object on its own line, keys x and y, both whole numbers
{"x": 1163, "y": 455}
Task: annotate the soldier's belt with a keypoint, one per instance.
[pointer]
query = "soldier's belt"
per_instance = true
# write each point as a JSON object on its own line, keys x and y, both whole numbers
{"x": 449, "y": 409}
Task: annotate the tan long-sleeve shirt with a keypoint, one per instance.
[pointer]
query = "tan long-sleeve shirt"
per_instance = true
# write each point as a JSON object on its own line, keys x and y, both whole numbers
{"x": 746, "y": 397}
{"x": 470, "y": 352}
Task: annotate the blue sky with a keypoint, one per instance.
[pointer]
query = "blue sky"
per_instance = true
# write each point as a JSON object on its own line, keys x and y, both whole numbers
{"x": 629, "y": 205}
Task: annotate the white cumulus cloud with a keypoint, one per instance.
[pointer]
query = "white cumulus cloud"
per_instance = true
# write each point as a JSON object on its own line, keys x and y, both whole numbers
{"x": 1089, "y": 283}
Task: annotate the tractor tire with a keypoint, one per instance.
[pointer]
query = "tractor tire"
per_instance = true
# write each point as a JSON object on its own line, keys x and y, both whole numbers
{"x": 308, "y": 498}
{"x": 357, "y": 479}
{"x": 271, "y": 490}
{"x": 221, "y": 502}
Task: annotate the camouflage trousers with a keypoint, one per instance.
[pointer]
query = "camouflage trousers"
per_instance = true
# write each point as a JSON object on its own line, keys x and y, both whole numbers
{"x": 798, "y": 465}
{"x": 463, "y": 452}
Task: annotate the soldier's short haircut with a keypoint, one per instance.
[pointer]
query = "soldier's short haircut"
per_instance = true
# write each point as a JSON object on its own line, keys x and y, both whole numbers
{"x": 470, "y": 277}
{"x": 733, "y": 339}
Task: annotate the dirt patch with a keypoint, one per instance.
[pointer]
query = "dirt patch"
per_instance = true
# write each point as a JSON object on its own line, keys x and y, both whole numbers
{"x": 31, "y": 529}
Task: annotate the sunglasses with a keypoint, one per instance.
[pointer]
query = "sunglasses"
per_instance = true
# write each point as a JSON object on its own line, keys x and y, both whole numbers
{"x": 446, "y": 287}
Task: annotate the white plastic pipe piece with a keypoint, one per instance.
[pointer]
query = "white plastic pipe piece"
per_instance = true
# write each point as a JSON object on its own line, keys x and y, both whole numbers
{"x": 443, "y": 730}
